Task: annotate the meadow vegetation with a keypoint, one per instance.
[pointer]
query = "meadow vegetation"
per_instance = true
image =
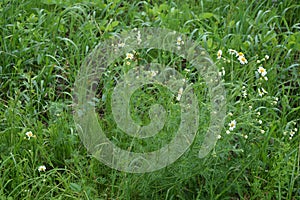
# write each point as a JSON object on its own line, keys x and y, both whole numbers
{"x": 256, "y": 47}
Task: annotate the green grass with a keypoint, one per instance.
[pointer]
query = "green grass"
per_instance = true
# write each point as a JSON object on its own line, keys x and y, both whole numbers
{"x": 42, "y": 46}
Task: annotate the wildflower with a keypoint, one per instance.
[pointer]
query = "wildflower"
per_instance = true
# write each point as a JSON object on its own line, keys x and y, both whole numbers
{"x": 42, "y": 168}
{"x": 274, "y": 103}
{"x": 246, "y": 136}
{"x": 230, "y": 114}
{"x": 244, "y": 92}
{"x": 258, "y": 113}
{"x": 129, "y": 56}
{"x": 120, "y": 45}
{"x": 267, "y": 57}
{"x": 219, "y": 54}
{"x": 179, "y": 41}
{"x": 179, "y": 94}
{"x": 260, "y": 121}
{"x": 231, "y": 52}
{"x": 127, "y": 63}
{"x": 242, "y": 60}
{"x": 232, "y": 125}
{"x": 262, "y": 71}
{"x": 264, "y": 91}
{"x": 266, "y": 78}
{"x": 29, "y": 134}
{"x": 227, "y": 131}
{"x": 219, "y": 137}
{"x": 223, "y": 71}
{"x": 260, "y": 93}
{"x": 262, "y": 131}
{"x": 258, "y": 61}
{"x": 240, "y": 54}
{"x": 153, "y": 73}
{"x": 250, "y": 107}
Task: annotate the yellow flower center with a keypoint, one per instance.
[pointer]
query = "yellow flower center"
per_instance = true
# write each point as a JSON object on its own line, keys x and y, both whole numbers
{"x": 240, "y": 54}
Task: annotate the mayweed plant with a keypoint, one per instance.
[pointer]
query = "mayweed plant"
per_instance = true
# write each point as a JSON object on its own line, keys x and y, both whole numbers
{"x": 253, "y": 44}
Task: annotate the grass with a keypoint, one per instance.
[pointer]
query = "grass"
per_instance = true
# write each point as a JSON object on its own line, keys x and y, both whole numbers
{"x": 43, "y": 44}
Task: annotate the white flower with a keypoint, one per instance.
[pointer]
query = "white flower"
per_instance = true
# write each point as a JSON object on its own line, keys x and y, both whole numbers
{"x": 219, "y": 136}
{"x": 273, "y": 102}
{"x": 262, "y": 71}
{"x": 260, "y": 121}
{"x": 223, "y": 71}
{"x": 227, "y": 131}
{"x": 232, "y": 125}
{"x": 230, "y": 114}
{"x": 242, "y": 60}
{"x": 232, "y": 51}
{"x": 153, "y": 73}
{"x": 219, "y": 54}
{"x": 264, "y": 91}
{"x": 244, "y": 92}
{"x": 179, "y": 94}
{"x": 29, "y": 134}
{"x": 240, "y": 54}
{"x": 120, "y": 45}
{"x": 129, "y": 56}
{"x": 246, "y": 136}
{"x": 250, "y": 107}
{"x": 266, "y": 78}
{"x": 42, "y": 168}
{"x": 260, "y": 93}
{"x": 262, "y": 131}
{"x": 267, "y": 57}
{"x": 179, "y": 41}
